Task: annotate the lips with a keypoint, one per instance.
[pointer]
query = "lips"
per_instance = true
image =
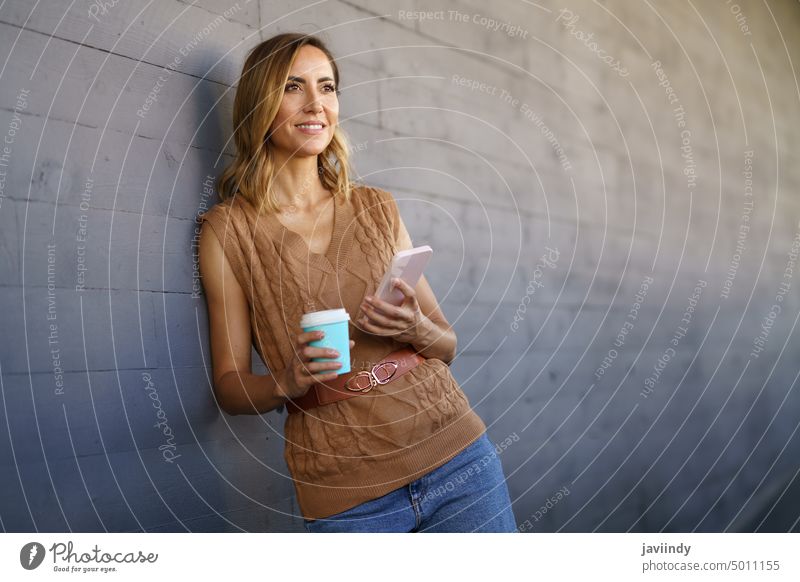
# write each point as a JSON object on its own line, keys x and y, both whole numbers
{"x": 311, "y": 128}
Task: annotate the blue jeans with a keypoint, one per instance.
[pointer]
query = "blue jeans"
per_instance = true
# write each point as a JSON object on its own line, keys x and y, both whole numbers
{"x": 466, "y": 494}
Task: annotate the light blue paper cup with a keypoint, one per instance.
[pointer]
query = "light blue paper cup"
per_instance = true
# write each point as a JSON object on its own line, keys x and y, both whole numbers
{"x": 334, "y": 322}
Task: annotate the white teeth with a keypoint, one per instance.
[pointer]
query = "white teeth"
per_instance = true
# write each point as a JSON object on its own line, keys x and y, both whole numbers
{"x": 313, "y": 126}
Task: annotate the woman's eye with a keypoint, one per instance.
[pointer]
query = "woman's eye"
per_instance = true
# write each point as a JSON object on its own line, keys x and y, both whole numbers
{"x": 330, "y": 88}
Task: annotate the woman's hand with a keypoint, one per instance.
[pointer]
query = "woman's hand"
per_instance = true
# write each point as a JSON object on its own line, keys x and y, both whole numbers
{"x": 406, "y": 323}
{"x": 302, "y": 373}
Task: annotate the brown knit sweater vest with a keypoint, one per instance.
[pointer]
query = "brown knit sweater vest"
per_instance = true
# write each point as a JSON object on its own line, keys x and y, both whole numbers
{"x": 355, "y": 450}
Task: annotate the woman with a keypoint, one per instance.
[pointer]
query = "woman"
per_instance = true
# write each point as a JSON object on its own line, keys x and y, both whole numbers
{"x": 403, "y": 452}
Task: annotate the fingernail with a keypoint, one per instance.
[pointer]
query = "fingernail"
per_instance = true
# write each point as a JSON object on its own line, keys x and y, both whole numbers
{"x": 368, "y": 298}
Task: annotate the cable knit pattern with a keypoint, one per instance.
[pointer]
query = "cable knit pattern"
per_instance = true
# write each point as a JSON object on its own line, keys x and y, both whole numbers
{"x": 354, "y": 450}
{"x": 377, "y": 225}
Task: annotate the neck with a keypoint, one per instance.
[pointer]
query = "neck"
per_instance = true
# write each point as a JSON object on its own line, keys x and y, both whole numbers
{"x": 297, "y": 182}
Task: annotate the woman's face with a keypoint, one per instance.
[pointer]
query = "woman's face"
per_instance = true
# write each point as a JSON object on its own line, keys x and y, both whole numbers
{"x": 309, "y": 109}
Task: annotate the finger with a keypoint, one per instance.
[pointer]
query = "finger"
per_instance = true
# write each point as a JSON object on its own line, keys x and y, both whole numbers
{"x": 376, "y": 317}
{"x": 404, "y": 287}
{"x": 374, "y": 329}
{"x": 310, "y": 336}
{"x": 381, "y": 306}
{"x": 324, "y": 367}
{"x": 312, "y": 371}
{"x": 301, "y": 343}
{"x": 317, "y": 352}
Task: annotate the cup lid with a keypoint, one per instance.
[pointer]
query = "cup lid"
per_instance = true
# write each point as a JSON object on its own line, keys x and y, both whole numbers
{"x": 323, "y": 317}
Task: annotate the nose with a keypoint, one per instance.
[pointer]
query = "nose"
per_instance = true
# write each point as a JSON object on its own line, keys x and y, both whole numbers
{"x": 313, "y": 104}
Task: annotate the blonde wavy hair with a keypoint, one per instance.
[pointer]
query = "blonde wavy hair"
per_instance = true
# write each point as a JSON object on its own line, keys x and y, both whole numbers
{"x": 257, "y": 101}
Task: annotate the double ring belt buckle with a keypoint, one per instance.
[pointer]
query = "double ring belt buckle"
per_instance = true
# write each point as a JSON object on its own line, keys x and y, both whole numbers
{"x": 380, "y": 373}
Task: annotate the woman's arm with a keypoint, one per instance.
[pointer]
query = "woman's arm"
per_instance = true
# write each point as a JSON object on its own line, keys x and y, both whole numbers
{"x": 431, "y": 334}
{"x": 236, "y": 388}
{"x": 436, "y": 336}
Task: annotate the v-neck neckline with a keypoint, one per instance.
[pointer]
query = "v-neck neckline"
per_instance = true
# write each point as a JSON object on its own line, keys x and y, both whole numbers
{"x": 334, "y": 258}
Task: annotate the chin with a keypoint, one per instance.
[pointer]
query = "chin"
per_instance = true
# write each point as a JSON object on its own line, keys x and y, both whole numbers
{"x": 299, "y": 150}
{"x": 307, "y": 152}
{"x": 309, "y": 148}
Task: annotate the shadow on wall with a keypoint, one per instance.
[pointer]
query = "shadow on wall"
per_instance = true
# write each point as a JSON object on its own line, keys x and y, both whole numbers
{"x": 774, "y": 508}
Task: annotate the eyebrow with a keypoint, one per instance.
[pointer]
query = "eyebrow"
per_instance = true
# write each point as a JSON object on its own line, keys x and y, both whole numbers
{"x": 302, "y": 80}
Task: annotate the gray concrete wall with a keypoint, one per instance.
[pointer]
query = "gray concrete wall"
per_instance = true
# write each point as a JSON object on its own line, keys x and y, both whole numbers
{"x": 579, "y": 168}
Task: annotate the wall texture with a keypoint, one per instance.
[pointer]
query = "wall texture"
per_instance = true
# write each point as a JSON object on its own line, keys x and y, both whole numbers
{"x": 610, "y": 189}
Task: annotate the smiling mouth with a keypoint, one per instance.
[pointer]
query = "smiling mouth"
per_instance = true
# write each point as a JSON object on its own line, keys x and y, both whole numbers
{"x": 310, "y": 125}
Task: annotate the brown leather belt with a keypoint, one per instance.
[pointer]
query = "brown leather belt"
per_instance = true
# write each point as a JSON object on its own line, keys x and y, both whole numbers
{"x": 356, "y": 383}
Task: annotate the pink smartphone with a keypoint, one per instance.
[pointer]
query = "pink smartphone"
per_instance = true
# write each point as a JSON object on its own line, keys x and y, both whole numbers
{"x": 407, "y": 265}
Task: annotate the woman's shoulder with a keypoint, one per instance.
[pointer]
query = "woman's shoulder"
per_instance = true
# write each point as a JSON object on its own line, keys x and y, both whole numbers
{"x": 224, "y": 220}
{"x": 375, "y": 199}
{"x": 221, "y": 208}
{"x": 223, "y": 211}
{"x": 367, "y": 190}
